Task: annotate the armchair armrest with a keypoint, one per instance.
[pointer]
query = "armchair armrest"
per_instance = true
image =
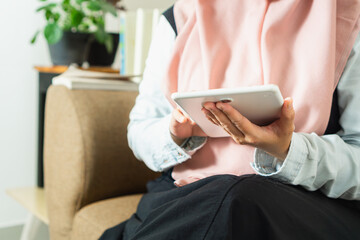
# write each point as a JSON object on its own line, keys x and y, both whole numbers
{"x": 86, "y": 154}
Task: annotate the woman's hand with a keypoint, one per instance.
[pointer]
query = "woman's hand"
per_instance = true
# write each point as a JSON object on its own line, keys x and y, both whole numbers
{"x": 182, "y": 127}
{"x": 274, "y": 139}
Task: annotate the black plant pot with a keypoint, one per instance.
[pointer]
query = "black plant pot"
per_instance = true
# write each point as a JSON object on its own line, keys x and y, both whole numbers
{"x": 98, "y": 55}
{"x": 70, "y": 49}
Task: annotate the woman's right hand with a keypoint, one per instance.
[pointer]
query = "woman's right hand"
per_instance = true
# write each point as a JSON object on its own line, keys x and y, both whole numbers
{"x": 181, "y": 127}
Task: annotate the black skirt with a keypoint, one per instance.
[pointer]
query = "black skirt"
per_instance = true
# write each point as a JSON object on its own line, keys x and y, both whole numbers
{"x": 232, "y": 207}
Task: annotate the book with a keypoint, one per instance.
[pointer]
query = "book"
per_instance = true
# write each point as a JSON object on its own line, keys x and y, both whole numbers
{"x": 127, "y": 42}
{"x": 136, "y": 31}
{"x": 75, "y": 78}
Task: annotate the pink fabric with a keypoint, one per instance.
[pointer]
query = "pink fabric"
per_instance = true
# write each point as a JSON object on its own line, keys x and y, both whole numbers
{"x": 301, "y": 46}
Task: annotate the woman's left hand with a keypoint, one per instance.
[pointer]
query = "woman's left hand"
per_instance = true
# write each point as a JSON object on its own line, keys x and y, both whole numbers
{"x": 274, "y": 139}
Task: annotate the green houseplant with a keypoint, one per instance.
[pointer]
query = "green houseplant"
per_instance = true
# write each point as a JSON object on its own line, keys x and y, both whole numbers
{"x": 73, "y": 25}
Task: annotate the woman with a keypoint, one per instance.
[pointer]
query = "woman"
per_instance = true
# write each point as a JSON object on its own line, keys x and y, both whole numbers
{"x": 299, "y": 177}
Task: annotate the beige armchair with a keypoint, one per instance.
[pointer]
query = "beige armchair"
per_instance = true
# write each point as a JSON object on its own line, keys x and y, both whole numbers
{"x": 92, "y": 179}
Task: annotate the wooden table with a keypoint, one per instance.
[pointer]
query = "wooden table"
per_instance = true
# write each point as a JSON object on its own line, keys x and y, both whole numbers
{"x": 33, "y": 200}
{"x": 62, "y": 69}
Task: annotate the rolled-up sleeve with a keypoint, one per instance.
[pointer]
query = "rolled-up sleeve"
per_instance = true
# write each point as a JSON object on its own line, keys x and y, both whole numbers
{"x": 148, "y": 131}
{"x": 330, "y": 163}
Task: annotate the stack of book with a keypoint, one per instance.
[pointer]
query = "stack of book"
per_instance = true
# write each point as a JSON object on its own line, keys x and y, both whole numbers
{"x": 75, "y": 78}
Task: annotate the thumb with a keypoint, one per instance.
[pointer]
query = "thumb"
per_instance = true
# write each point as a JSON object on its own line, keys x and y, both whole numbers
{"x": 197, "y": 131}
{"x": 179, "y": 116}
{"x": 287, "y": 111}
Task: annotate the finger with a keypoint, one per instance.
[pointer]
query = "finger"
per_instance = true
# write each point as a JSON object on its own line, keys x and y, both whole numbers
{"x": 223, "y": 120}
{"x": 210, "y": 116}
{"x": 288, "y": 114}
{"x": 213, "y": 119}
{"x": 199, "y": 132}
{"x": 179, "y": 116}
{"x": 237, "y": 119}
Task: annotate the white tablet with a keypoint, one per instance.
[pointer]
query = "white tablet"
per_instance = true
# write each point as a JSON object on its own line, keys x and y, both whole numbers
{"x": 260, "y": 104}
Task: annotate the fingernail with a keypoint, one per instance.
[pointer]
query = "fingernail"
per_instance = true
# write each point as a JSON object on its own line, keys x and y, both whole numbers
{"x": 290, "y": 104}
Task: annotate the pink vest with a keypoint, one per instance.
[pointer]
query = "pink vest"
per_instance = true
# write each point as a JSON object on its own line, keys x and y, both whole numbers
{"x": 301, "y": 46}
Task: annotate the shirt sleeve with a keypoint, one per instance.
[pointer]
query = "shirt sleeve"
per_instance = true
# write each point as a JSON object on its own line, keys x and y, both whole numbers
{"x": 148, "y": 131}
{"x": 330, "y": 163}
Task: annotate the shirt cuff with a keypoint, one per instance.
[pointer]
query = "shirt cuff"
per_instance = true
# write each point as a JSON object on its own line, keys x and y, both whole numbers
{"x": 192, "y": 144}
{"x": 266, "y": 165}
{"x": 171, "y": 154}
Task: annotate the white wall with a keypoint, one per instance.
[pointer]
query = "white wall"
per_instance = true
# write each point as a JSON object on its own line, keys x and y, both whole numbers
{"x": 18, "y": 97}
{"x": 18, "y": 102}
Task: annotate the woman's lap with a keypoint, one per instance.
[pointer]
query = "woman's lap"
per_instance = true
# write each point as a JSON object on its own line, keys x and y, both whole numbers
{"x": 231, "y": 207}
{"x": 262, "y": 208}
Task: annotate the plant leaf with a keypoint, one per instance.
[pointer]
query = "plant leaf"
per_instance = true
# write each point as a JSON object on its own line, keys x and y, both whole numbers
{"x": 53, "y": 33}
{"x": 48, "y": 14}
{"x": 80, "y": 1}
{"x": 66, "y": 5}
{"x": 56, "y": 17}
{"x": 33, "y": 40}
{"x": 76, "y": 18}
{"x": 100, "y": 35}
{"x": 46, "y": 7}
{"x": 107, "y": 7}
{"x": 94, "y": 6}
{"x": 109, "y": 43}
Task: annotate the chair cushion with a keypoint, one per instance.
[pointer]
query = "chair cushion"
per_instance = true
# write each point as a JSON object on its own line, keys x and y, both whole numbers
{"x": 91, "y": 221}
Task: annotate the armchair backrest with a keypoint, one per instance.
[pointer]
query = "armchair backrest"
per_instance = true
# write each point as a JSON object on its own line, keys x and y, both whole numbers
{"x": 86, "y": 154}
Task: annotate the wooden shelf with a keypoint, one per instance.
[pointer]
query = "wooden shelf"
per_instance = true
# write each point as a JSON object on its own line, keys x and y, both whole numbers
{"x": 32, "y": 199}
{"x": 61, "y": 69}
